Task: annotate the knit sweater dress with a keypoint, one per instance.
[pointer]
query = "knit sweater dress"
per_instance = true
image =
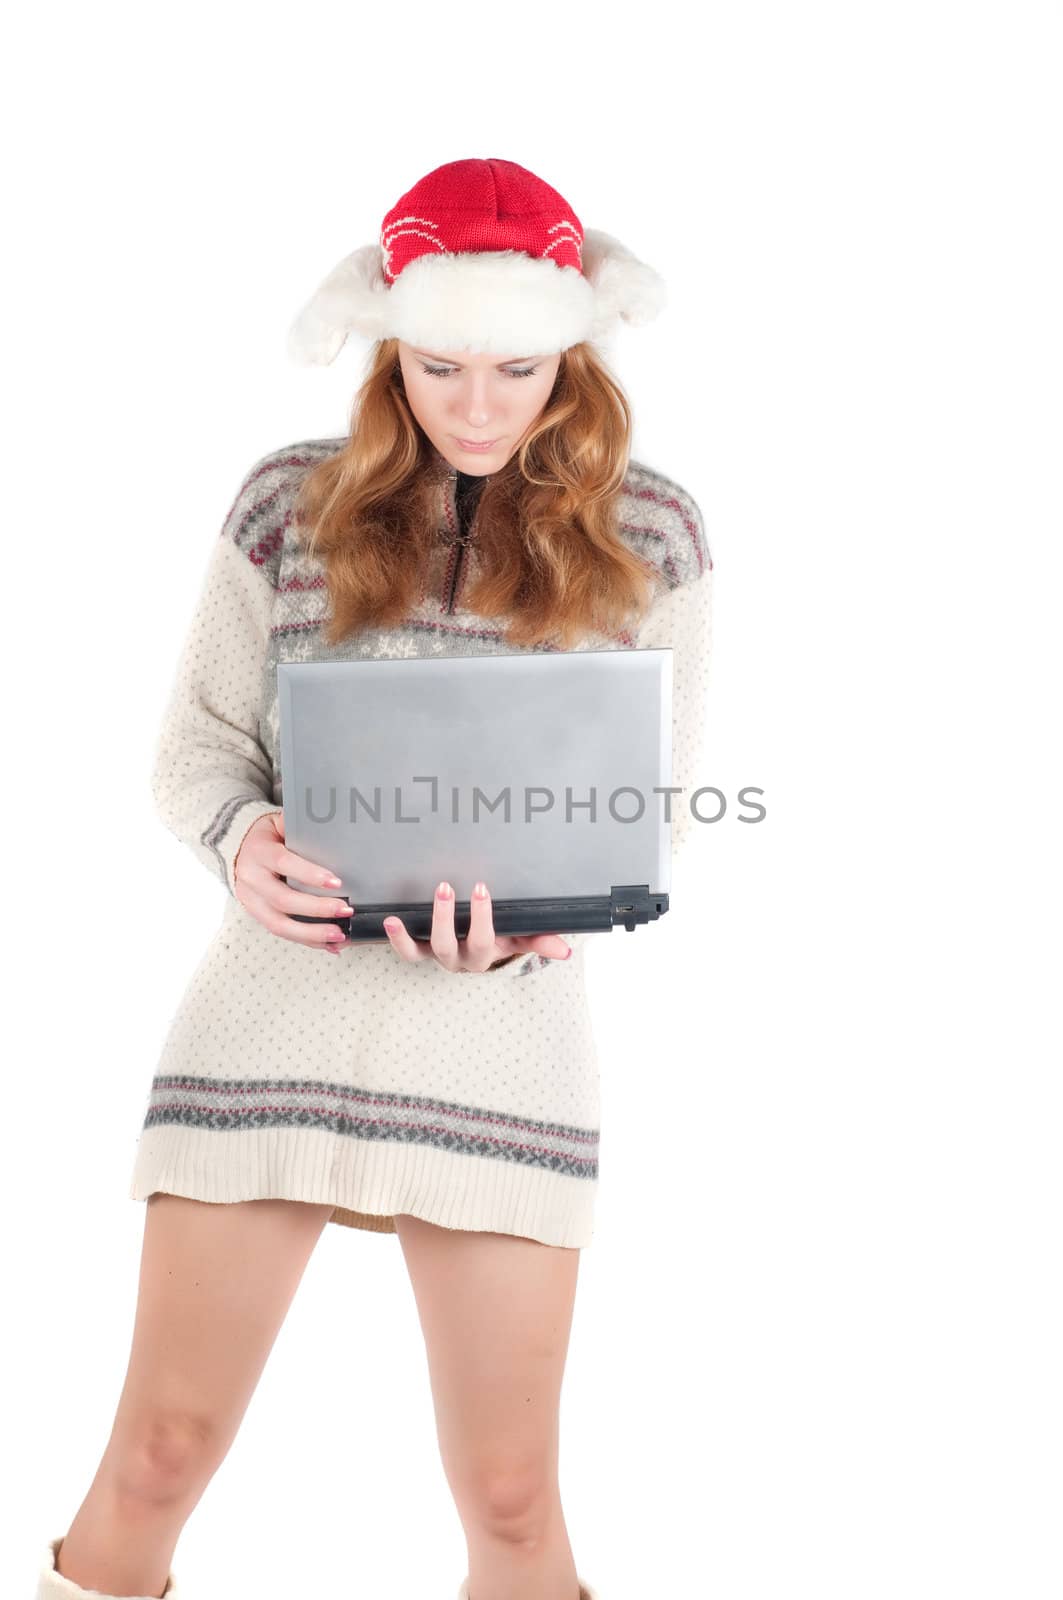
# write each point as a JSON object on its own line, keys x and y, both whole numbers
{"x": 363, "y": 1081}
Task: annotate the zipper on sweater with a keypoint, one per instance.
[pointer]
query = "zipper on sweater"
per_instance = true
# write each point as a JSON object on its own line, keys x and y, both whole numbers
{"x": 454, "y": 575}
{"x": 460, "y": 539}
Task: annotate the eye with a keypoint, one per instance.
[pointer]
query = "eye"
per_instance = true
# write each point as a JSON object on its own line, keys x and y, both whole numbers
{"x": 511, "y": 372}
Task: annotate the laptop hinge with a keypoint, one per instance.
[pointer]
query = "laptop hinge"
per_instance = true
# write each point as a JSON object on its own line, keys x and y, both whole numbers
{"x": 633, "y": 903}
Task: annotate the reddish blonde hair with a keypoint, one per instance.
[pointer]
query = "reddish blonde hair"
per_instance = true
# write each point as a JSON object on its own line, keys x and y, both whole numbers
{"x": 551, "y": 555}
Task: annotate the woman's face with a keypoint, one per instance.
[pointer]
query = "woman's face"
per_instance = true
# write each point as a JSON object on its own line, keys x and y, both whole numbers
{"x": 460, "y": 399}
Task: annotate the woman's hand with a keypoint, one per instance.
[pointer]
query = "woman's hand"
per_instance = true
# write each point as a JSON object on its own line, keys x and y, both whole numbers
{"x": 260, "y": 889}
{"x": 481, "y": 949}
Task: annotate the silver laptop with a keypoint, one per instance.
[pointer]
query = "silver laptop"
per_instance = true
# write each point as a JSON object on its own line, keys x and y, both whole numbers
{"x": 543, "y": 773}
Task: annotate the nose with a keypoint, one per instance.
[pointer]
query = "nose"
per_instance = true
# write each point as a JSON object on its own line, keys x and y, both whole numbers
{"x": 475, "y": 407}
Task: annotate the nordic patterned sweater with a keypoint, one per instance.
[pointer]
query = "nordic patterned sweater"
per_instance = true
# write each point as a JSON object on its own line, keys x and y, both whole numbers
{"x": 263, "y": 600}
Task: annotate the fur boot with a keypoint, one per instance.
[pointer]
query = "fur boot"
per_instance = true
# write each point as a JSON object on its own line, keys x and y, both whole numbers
{"x": 585, "y": 1591}
{"x": 52, "y": 1585}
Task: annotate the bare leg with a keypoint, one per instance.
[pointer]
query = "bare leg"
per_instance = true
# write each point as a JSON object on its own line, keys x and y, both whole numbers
{"x": 215, "y": 1284}
{"x": 496, "y": 1312}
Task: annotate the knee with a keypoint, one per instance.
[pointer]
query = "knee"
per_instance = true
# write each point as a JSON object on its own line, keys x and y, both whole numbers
{"x": 163, "y": 1457}
{"x": 510, "y": 1502}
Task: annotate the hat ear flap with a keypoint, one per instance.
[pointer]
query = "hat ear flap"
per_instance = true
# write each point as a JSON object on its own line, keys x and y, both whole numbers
{"x": 352, "y": 299}
{"x": 623, "y": 285}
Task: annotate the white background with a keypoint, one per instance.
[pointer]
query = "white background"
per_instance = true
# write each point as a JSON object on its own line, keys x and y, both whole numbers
{"x": 816, "y": 1341}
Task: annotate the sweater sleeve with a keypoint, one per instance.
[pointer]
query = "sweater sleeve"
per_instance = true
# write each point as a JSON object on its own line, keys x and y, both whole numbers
{"x": 212, "y": 778}
{"x": 681, "y": 619}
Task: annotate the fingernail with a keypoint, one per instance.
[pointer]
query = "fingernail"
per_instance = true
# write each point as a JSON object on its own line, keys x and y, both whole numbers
{"x": 480, "y": 891}
{"x": 444, "y": 891}
{"x": 390, "y": 923}
{"x": 332, "y": 881}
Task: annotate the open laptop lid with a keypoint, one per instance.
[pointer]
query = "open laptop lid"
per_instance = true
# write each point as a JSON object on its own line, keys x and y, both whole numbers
{"x": 540, "y": 773}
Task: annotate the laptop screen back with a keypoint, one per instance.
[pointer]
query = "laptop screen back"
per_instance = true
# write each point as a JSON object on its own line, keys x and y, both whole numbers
{"x": 534, "y": 771}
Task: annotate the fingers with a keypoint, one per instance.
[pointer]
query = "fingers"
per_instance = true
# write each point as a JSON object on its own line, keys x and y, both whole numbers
{"x": 282, "y": 897}
{"x": 481, "y": 945}
{"x": 264, "y": 853}
{"x": 261, "y": 889}
{"x": 550, "y": 945}
{"x": 269, "y": 896}
{"x": 547, "y": 944}
{"x": 481, "y": 948}
{"x": 443, "y": 940}
{"x": 403, "y": 942}
{"x": 322, "y": 935}
{"x": 286, "y": 864}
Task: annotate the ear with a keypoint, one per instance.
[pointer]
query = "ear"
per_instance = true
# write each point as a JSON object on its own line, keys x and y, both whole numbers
{"x": 623, "y": 285}
{"x": 352, "y": 299}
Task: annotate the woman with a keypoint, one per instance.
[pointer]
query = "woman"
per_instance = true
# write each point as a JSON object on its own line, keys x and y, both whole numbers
{"x": 381, "y": 1089}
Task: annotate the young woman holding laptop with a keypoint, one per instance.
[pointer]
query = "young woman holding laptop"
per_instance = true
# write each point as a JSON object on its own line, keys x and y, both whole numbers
{"x": 446, "y": 1091}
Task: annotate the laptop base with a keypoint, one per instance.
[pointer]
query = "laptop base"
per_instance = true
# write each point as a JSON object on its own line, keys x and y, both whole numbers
{"x": 629, "y": 904}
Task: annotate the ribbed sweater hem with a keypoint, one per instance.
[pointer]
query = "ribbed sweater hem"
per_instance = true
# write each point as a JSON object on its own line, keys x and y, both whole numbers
{"x": 367, "y": 1183}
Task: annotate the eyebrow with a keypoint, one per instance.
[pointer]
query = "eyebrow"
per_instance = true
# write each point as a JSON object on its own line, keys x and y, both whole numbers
{"x": 516, "y": 362}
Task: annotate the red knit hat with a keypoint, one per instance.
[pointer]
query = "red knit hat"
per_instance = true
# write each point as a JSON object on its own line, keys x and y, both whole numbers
{"x": 479, "y": 256}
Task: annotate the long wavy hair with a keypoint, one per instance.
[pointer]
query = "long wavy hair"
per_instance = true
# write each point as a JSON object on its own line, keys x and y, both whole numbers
{"x": 551, "y": 557}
